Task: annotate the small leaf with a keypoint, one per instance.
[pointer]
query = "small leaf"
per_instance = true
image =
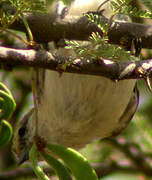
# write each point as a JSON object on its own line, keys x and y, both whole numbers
{"x": 6, "y": 132}
{"x": 58, "y": 166}
{"x": 7, "y": 102}
{"x": 78, "y": 164}
{"x": 37, "y": 169}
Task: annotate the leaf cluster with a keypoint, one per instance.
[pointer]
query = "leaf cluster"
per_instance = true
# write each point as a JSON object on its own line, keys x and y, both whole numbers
{"x": 29, "y": 5}
{"x": 124, "y": 7}
{"x": 99, "y": 47}
{"x": 7, "y": 16}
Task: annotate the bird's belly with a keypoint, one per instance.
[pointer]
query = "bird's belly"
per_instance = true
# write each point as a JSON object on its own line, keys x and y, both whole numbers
{"x": 81, "y": 108}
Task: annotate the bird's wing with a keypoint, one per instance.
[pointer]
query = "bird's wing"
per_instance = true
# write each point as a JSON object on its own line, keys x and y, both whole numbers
{"x": 128, "y": 113}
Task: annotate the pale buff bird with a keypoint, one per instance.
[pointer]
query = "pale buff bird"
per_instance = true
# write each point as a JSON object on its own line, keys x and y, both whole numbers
{"x": 73, "y": 109}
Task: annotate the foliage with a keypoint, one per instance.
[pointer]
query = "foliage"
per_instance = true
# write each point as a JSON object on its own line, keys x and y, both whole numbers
{"x": 7, "y": 106}
{"x": 124, "y": 7}
{"x": 74, "y": 160}
{"x": 6, "y": 16}
{"x": 29, "y": 5}
{"x": 99, "y": 47}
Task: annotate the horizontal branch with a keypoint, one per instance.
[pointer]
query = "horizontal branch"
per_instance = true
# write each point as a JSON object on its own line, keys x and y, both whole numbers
{"x": 22, "y": 172}
{"x": 130, "y": 31}
{"x": 100, "y": 67}
{"x": 47, "y": 27}
{"x": 101, "y": 170}
{"x": 133, "y": 152}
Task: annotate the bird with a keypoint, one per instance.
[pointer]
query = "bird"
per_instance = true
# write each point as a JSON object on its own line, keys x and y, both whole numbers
{"x": 76, "y": 109}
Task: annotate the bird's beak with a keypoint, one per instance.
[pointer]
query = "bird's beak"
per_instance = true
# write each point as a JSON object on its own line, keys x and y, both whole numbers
{"x": 24, "y": 156}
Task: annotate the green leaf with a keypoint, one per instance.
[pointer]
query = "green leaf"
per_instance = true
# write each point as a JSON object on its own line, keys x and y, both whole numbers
{"x": 7, "y": 103}
{"x": 58, "y": 166}
{"x": 37, "y": 169}
{"x": 6, "y": 132}
{"x": 78, "y": 164}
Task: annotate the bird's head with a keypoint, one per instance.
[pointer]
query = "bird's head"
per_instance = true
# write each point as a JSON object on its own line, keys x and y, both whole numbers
{"x": 23, "y": 137}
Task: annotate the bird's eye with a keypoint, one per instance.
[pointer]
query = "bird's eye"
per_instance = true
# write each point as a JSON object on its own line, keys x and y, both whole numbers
{"x": 21, "y": 131}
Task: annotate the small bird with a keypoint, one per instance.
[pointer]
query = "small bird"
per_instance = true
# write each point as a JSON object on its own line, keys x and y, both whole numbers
{"x": 74, "y": 109}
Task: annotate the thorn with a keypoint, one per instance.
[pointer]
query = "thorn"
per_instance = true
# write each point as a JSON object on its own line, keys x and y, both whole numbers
{"x": 148, "y": 83}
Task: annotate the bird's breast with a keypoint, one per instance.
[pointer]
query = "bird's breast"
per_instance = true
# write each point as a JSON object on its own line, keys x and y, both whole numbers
{"x": 75, "y": 109}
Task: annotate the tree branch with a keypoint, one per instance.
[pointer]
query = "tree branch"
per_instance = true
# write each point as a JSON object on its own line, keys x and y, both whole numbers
{"x": 101, "y": 170}
{"x": 133, "y": 152}
{"x": 112, "y": 167}
{"x": 22, "y": 172}
{"x": 47, "y": 27}
{"x": 100, "y": 67}
{"x": 130, "y": 31}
